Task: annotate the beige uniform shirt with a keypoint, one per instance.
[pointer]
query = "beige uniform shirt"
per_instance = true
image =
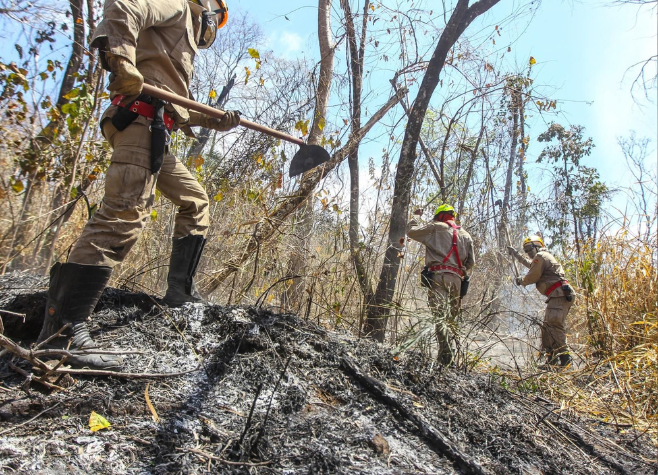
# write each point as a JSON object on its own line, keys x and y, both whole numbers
{"x": 437, "y": 238}
{"x": 544, "y": 271}
{"x": 157, "y": 36}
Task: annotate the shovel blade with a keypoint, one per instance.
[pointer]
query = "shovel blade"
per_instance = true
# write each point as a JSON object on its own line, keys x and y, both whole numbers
{"x": 307, "y": 158}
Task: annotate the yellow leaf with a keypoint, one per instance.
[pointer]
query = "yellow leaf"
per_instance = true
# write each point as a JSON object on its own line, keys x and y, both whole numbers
{"x": 262, "y": 81}
{"x": 154, "y": 413}
{"x": 254, "y": 53}
{"x": 97, "y": 422}
{"x": 198, "y": 161}
{"x": 218, "y": 197}
{"x": 321, "y": 123}
{"x": 246, "y": 79}
{"x": 532, "y": 60}
{"x": 16, "y": 185}
{"x": 302, "y": 126}
{"x": 212, "y": 94}
{"x": 154, "y": 215}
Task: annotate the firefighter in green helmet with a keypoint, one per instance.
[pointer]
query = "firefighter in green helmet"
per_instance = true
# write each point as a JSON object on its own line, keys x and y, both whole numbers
{"x": 548, "y": 276}
{"x": 448, "y": 256}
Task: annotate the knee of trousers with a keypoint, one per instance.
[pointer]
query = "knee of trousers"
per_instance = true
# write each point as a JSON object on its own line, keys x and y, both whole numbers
{"x": 193, "y": 215}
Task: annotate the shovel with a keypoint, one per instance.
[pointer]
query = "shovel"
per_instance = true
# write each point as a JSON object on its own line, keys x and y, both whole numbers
{"x": 306, "y": 158}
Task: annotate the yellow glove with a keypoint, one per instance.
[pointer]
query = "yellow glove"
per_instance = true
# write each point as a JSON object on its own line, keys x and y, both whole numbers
{"x": 125, "y": 78}
{"x": 230, "y": 120}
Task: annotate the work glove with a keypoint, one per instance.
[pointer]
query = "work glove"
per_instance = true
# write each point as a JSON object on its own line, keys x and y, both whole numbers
{"x": 230, "y": 120}
{"x": 125, "y": 79}
{"x": 518, "y": 280}
{"x": 512, "y": 251}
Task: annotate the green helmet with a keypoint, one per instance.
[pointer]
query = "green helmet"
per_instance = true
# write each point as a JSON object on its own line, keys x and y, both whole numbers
{"x": 445, "y": 208}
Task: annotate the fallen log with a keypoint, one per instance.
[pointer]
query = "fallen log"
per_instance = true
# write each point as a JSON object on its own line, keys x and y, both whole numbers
{"x": 437, "y": 440}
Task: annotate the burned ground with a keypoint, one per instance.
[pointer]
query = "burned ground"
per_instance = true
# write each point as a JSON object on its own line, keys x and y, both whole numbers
{"x": 271, "y": 393}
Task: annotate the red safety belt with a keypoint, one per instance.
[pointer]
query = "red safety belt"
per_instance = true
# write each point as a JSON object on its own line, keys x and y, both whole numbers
{"x": 559, "y": 283}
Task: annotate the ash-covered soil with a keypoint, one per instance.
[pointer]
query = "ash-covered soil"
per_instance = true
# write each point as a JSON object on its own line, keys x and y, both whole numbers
{"x": 271, "y": 393}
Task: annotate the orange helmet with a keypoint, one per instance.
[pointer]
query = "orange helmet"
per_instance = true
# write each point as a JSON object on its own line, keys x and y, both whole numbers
{"x": 213, "y": 17}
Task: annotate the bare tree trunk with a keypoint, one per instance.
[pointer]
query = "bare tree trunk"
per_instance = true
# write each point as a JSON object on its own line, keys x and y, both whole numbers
{"x": 507, "y": 197}
{"x": 293, "y": 297}
{"x": 471, "y": 168}
{"x": 44, "y": 139}
{"x": 63, "y": 191}
{"x": 379, "y": 310}
{"x": 356, "y": 57}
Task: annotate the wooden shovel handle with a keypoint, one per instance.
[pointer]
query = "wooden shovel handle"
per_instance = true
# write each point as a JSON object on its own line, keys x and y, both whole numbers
{"x": 212, "y": 112}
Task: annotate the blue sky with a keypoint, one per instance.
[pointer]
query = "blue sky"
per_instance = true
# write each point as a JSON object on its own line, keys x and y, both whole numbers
{"x": 583, "y": 51}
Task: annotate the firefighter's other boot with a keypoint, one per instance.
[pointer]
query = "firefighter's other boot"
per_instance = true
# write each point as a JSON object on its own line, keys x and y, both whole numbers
{"x": 185, "y": 256}
{"x": 565, "y": 360}
{"x": 73, "y": 294}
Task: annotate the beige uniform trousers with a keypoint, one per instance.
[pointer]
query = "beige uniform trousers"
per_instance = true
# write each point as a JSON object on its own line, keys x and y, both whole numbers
{"x": 129, "y": 195}
{"x": 444, "y": 301}
{"x": 554, "y": 329}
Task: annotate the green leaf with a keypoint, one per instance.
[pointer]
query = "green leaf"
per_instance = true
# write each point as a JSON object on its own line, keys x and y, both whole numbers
{"x": 154, "y": 215}
{"x": 73, "y": 93}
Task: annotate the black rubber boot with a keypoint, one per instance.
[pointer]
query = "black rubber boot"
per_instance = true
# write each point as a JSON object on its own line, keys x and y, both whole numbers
{"x": 185, "y": 256}
{"x": 73, "y": 294}
{"x": 565, "y": 360}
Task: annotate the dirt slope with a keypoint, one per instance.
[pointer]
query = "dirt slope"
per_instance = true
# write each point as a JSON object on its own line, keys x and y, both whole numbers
{"x": 270, "y": 393}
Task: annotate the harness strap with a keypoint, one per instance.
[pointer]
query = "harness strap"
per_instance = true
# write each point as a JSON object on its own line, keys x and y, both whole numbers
{"x": 454, "y": 246}
{"x": 144, "y": 109}
{"x": 448, "y": 268}
{"x": 559, "y": 283}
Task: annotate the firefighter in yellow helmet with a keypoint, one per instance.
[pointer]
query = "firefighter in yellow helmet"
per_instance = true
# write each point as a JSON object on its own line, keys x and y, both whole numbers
{"x": 152, "y": 41}
{"x": 448, "y": 256}
{"x": 548, "y": 276}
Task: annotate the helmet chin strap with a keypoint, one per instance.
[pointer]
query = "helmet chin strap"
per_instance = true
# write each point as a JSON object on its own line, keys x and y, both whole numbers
{"x": 533, "y": 252}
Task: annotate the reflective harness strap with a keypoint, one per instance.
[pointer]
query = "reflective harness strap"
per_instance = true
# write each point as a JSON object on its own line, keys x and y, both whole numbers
{"x": 448, "y": 268}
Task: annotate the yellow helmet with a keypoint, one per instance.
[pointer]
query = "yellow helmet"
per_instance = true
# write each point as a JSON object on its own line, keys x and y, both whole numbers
{"x": 445, "y": 208}
{"x": 534, "y": 239}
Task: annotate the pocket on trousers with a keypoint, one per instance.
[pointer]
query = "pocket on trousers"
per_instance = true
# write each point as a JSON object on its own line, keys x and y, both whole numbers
{"x": 129, "y": 186}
